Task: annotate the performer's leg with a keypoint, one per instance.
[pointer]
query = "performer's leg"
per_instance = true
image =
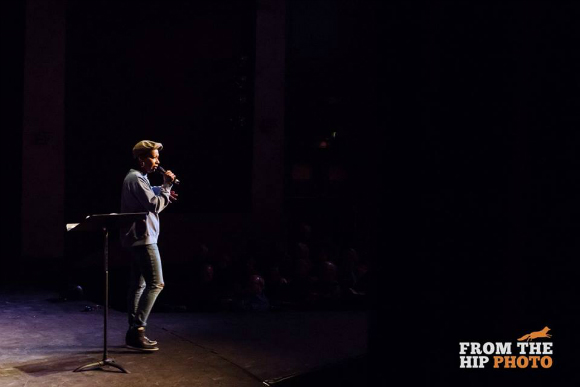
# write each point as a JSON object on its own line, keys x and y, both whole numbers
{"x": 150, "y": 265}
{"x": 146, "y": 283}
{"x": 136, "y": 288}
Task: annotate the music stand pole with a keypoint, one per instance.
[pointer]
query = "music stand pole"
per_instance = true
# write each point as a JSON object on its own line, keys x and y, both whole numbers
{"x": 106, "y": 360}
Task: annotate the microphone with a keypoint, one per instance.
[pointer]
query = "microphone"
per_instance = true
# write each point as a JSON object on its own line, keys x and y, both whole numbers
{"x": 162, "y": 171}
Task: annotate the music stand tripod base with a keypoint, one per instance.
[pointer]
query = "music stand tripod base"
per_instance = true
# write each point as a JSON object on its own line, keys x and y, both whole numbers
{"x": 100, "y": 365}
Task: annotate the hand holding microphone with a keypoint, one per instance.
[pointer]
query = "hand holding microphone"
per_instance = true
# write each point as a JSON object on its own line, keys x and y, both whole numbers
{"x": 168, "y": 176}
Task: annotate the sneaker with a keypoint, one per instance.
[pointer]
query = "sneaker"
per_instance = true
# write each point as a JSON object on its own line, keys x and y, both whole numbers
{"x": 149, "y": 341}
{"x": 135, "y": 339}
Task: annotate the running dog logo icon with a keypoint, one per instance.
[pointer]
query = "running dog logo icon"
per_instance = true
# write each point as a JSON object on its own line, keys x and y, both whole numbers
{"x": 535, "y": 335}
{"x": 526, "y": 354}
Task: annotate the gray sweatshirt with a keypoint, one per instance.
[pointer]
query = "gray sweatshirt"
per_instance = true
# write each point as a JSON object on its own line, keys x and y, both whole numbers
{"x": 139, "y": 196}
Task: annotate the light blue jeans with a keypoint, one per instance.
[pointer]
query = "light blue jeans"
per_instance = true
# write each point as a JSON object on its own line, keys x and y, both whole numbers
{"x": 145, "y": 284}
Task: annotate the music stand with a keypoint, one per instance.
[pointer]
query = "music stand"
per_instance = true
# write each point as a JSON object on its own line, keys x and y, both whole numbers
{"x": 105, "y": 222}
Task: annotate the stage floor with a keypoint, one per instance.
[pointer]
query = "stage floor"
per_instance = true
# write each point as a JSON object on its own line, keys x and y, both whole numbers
{"x": 43, "y": 339}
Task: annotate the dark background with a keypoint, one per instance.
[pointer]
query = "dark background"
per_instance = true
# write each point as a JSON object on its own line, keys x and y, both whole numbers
{"x": 482, "y": 128}
{"x": 160, "y": 70}
{"x": 457, "y": 124}
{"x": 12, "y": 90}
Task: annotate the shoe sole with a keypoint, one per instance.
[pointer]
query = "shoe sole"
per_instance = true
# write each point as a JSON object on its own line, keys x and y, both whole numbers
{"x": 142, "y": 349}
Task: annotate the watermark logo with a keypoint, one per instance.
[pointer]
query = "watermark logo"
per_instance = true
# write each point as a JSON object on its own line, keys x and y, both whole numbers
{"x": 530, "y": 354}
{"x": 535, "y": 335}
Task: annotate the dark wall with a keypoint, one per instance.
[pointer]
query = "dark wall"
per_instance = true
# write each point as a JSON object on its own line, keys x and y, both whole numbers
{"x": 483, "y": 110}
{"x": 179, "y": 73}
{"x": 332, "y": 74}
{"x": 12, "y": 20}
{"x": 332, "y": 89}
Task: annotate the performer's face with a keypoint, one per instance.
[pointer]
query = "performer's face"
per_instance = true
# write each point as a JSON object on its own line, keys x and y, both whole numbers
{"x": 150, "y": 161}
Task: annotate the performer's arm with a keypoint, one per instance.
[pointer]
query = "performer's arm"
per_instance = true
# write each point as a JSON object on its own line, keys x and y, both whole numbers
{"x": 149, "y": 199}
{"x": 157, "y": 189}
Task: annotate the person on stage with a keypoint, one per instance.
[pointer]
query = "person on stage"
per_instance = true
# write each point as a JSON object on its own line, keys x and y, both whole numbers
{"x": 146, "y": 280}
